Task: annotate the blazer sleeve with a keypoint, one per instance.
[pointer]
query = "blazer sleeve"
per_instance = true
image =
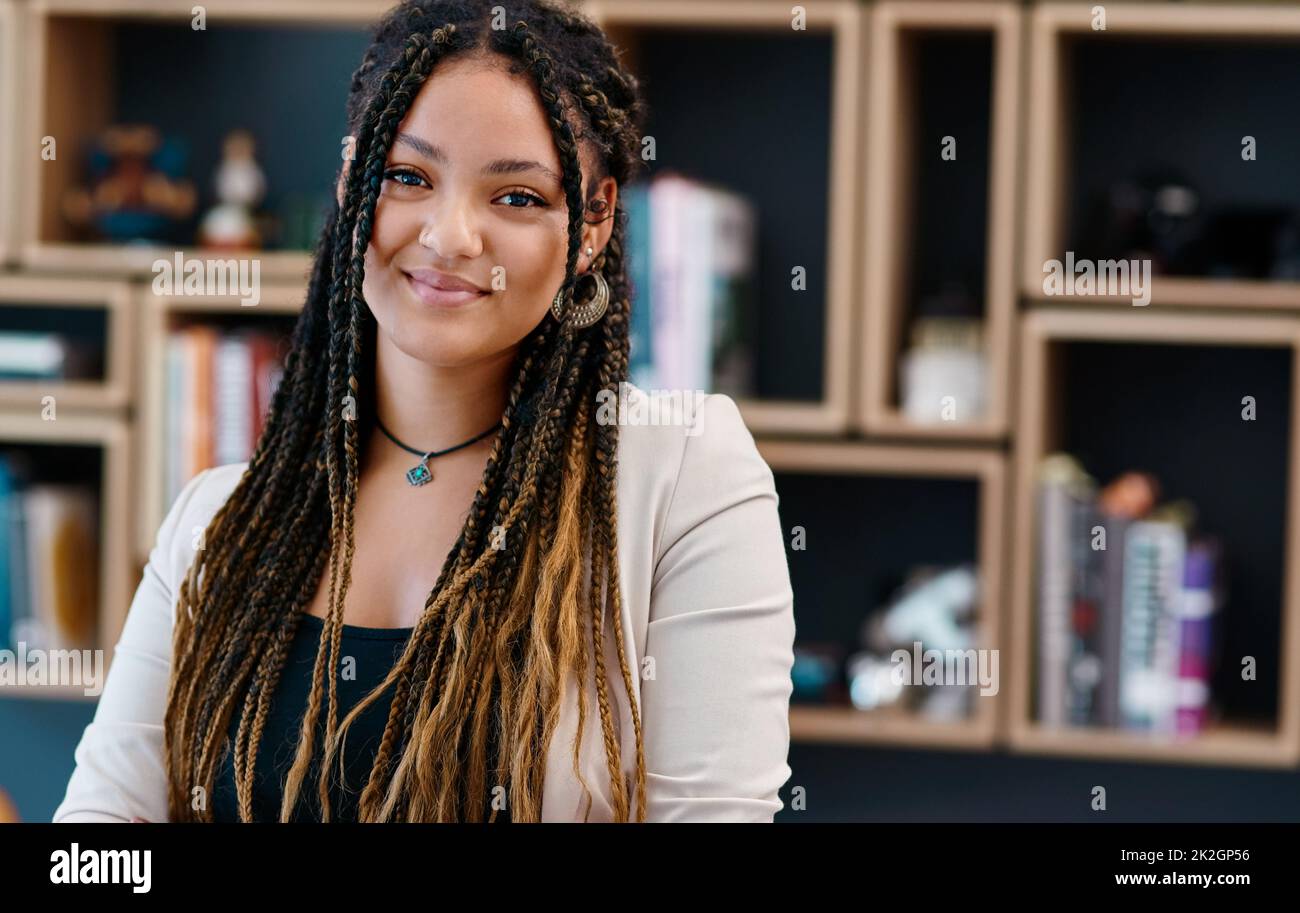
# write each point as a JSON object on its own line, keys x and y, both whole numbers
{"x": 119, "y": 771}
{"x": 720, "y": 634}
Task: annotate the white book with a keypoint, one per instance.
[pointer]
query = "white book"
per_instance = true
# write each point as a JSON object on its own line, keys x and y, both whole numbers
{"x": 697, "y": 288}
{"x": 232, "y": 393}
{"x": 32, "y": 354}
{"x": 667, "y": 199}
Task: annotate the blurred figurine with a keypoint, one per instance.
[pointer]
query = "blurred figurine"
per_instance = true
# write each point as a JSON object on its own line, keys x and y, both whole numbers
{"x": 1154, "y": 215}
{"x": 240, "y": 186}
{"x": 137, "y": 191}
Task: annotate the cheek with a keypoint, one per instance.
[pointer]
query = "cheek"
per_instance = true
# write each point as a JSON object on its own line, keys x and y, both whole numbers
{"x": 533, "y": 261}
{"x": 388, "y": 235}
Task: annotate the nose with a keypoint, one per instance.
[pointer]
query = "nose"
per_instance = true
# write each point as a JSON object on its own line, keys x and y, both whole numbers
{"x": 449, "y": 230}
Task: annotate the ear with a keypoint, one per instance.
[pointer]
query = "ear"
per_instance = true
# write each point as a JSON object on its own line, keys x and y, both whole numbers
{"x": 600, "y": 225}
{"x": 342, "y": 181}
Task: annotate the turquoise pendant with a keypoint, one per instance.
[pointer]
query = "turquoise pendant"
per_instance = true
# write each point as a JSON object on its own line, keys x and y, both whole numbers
{"x": 419, "y": 474}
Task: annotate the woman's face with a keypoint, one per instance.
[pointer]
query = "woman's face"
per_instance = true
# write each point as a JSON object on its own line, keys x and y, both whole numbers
{"x": 471, "y": 196}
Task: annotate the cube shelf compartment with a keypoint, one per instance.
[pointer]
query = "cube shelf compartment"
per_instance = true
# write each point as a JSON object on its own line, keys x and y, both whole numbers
{"x": 1083, "y": 394}
{"x": 72, "y": 436}
{"x": 93, "y": 64}
{"x": 686, "y": 53}
{"x": 857, "y": 503}
{"x": 1164, "y": 97}
{"x": 98, "y": 311}
{"x": 945, "y": 77}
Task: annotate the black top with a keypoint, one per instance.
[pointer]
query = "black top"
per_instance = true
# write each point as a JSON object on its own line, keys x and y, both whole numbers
{"x": 375, "y": 651}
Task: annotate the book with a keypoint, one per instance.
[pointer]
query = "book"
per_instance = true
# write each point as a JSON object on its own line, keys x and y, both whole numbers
{"x": 696, "y": 255}
{"x": 1202, "y": 598}
{"x": 1153, "y": 564}
{"x": 63, "y": 565}
{"x": 1062, "y": 487}
{"x": 1088, "y": 591}
{"x": 220, "y": 384}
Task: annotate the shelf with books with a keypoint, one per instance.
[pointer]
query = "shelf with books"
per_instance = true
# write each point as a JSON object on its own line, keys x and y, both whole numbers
{"x": 71, "y": 339}
{"x": 765, "y": 264}
{"x": 938, "y": 275}
{"x": 1161, "y": 167}
{"x": 106, "y": 103}
{"x": 1156, "y": 595}
{"x": 210, "y": 366}
{"x": 64, "y": 556}
{"x": 10, "y": 70}
{"x": 872, "y": 576}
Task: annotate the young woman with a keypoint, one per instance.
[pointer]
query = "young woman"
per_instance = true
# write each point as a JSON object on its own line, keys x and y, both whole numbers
{"x": 452, "y": 544}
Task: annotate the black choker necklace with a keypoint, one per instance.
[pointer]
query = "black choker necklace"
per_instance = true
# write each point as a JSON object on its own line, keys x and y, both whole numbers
{"x": 419, "y": 474}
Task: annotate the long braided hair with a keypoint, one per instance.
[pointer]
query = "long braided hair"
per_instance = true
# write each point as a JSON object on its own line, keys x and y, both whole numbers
{"x": 503, "y": 629}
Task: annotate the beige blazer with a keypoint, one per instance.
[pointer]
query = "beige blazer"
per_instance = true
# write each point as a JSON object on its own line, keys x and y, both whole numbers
{"x": 706, "y": 597}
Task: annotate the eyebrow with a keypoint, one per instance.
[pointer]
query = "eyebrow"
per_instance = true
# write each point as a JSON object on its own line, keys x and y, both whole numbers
{"x": 496, "y": 166}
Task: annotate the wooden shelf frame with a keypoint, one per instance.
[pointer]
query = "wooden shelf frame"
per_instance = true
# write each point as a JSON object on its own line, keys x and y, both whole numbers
{"x": 157, "y": 313}
{"x": 845, "y": 22}
{"x": 11, "y": 49}
{"x": 1048, "y": 123}
{"x": 988, "y": 469}
{"x": 112, "y": 435}
{"x": 1231, "y": 743}
{"x": 887, "y": 204}
{"x": 115, "y": 392}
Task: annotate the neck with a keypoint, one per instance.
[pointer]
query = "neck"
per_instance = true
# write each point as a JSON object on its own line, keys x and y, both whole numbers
{"x": 432, "y": 407}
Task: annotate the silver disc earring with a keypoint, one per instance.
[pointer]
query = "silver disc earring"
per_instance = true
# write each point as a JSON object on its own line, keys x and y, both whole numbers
{"x": 588, "y": 310}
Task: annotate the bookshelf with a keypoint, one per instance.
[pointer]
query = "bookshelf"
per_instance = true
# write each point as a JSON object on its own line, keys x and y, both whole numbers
{"x": 97, "y": 310}
{"x": 943, "y": 227}
{"x": 802, "y": 115}
{"x": 830, "y": 137}
{"x": 1087, "y": 134}
{"x": 856, "y": 503}
{"x": 278, "y": 307}
{"x": 1076, "y": 397}
{"x": 101, "y": 446}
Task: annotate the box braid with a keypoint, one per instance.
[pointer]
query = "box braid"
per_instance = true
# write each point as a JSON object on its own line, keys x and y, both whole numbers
{"x": 478, "y": 688}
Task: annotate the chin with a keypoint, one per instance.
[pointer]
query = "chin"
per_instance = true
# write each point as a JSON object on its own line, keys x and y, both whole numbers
{"x": 444, "y": 347}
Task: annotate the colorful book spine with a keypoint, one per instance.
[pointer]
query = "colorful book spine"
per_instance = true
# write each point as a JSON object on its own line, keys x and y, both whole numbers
{"x": 1062, "y": 485}
{"x": 1112, "y": 619}
{"x": 1086, "y": 608}
{"x": 1148, "y": 646}
{"x": 1200, "y": 602}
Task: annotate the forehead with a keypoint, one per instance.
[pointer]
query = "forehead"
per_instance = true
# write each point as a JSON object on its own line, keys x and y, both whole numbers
{"x": 475, "y": 110}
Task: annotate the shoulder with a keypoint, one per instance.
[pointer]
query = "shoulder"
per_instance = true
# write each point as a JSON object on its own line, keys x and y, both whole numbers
{"x": 670, "y": 432}
{"x": 189, "y": 515}
{"x": 681, "y": 456}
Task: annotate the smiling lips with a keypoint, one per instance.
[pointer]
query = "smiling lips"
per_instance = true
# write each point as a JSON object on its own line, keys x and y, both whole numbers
{"x": 442, "y": 289}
